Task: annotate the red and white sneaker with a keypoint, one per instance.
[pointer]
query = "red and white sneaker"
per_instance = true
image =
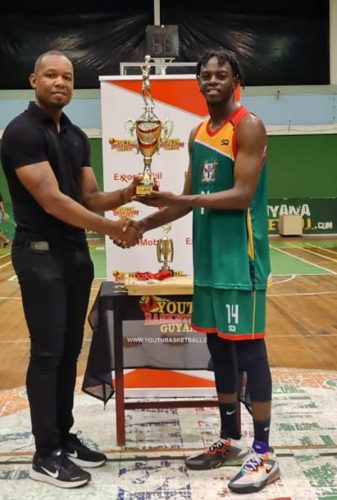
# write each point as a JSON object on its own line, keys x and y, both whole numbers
{"x": 223, "y": 451}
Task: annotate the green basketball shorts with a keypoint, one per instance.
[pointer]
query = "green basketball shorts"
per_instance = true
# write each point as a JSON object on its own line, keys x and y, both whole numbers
{"x": 232, "y": 314}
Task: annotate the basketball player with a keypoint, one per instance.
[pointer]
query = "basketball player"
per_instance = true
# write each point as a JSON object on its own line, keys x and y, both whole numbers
{"x": 225, "y": 186}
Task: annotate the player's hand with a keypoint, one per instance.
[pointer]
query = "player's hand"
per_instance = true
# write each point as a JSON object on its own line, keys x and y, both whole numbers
{"x": 157, "y": 199}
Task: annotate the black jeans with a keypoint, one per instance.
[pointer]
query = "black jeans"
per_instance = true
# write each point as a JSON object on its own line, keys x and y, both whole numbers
{"x": 55, "y": 287}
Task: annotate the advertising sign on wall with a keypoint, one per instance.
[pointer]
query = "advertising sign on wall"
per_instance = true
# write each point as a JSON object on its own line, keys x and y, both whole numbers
{"x": 319, "y": 214}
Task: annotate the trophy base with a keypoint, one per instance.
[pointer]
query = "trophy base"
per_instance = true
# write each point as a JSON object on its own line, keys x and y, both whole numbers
{"x": 143, "y": 189}
{"x": 166, "y": 268}
{"x": 147, "y": 184}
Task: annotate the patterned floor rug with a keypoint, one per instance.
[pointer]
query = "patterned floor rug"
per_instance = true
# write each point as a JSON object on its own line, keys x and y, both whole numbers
{"x": 151, "y": 466}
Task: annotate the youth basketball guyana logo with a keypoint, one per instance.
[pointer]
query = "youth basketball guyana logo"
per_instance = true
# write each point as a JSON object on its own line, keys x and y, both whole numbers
{"x": 159, "y": 310}
{"x": 126, "y": 212}
{"x": 149, "y": 304}
{"x": 124, "y": 145}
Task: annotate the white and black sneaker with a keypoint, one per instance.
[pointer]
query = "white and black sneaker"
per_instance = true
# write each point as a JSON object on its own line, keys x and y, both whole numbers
{"x": 58, "y": 470}
{"x": 258, "y": 470}
{"x": 81, "y": 455}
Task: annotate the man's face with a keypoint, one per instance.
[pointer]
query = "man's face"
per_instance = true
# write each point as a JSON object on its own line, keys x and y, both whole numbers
{"x": 53, "y": 81}
{"x": 216, "y": 82}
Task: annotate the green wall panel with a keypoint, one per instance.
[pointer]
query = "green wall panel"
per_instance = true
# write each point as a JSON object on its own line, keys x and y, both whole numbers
{"x": 97, "y": 161}
{"x": 302, "y": 166}
{"x": 299, "y": 166}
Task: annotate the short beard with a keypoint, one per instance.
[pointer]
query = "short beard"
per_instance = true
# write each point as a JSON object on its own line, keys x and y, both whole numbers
{"x": 52, "y": 104}
{"x": 56, "y": 105}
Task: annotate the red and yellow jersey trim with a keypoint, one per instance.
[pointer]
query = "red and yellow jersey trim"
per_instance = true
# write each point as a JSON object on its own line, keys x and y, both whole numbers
{"x": 223, "y": 139}
{"x": 219, "y": 140}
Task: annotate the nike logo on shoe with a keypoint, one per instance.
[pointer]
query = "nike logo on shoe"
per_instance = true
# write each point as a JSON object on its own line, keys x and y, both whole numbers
{"x": 230, "y": 412}
{"x": 268, "y": 467}
{"x": 72, "y": 454}
{"x": 55, "y": 474}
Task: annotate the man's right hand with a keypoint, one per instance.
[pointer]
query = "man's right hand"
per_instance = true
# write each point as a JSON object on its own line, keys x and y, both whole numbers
{"x": 130, "y": 191}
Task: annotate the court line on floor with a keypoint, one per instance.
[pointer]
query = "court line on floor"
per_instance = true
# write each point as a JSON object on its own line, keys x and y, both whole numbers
{"x": 304, "y": 260}
{"x": 314, "y": 253}
{"x": 7, "y": 298}
{"x": 293, "y": 276}
{"x": 334, "y": 252}
{"x": 302, "y": 274}
{"x": 294, "y": 294}
{"x": 5, "y": 265}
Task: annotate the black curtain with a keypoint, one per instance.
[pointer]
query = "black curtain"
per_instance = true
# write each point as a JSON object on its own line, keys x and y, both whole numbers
{"x": 282, "y": 44}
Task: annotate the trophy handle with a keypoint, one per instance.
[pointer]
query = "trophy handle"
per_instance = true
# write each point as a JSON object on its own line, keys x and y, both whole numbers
{"x": 166, "y": 130}
{"x": 130, "y": 127}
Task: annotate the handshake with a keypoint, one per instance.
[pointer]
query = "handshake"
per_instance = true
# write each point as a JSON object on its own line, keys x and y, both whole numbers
{"x": 128, "y": 233}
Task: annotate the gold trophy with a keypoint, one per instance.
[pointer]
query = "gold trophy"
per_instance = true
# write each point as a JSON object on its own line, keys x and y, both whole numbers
{"x": 149, "y": 131}
{"x": 165, "y": 251}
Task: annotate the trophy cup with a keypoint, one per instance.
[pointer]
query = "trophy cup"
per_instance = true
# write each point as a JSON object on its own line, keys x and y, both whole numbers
{"x": 149, "y": 131}
{"x": 165, "y": 250}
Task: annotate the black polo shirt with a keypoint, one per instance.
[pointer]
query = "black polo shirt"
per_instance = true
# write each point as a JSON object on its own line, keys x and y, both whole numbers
{"x": 31, "y": 138}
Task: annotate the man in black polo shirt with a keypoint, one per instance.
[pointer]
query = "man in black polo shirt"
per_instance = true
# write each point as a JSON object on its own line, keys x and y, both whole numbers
{"x": 54, "y": 194}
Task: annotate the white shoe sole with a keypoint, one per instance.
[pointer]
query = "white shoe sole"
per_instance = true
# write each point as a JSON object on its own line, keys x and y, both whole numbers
{"x": 40, "y": 476}
{"x": 85, "y": 464}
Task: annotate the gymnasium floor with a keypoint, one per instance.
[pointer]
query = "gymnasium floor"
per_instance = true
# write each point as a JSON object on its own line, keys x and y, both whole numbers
{"x": 302, "y": 346}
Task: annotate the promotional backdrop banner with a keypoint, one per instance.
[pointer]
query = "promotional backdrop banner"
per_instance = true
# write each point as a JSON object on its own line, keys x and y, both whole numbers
{"x": 178, "y": 100}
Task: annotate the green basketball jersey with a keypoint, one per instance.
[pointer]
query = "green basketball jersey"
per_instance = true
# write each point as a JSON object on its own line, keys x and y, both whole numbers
{"x": 230, "y": 247}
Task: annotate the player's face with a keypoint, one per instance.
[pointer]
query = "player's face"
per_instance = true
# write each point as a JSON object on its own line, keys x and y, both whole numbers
{"x": 53, "y": 81}
{"x": 216, "y": 83}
